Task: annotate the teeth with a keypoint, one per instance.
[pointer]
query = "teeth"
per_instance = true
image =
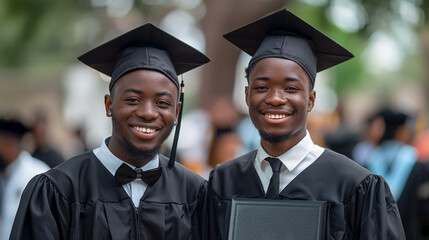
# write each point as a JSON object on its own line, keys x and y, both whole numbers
{"x": 275, "y": 116}
{"x": 144, "y": 130}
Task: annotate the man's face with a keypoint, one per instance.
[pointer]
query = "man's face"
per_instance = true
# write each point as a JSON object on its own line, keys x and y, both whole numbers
{"x": 279, "y": 99}
{"x": 144, "y": 109}
{"x": 10, "y": 148}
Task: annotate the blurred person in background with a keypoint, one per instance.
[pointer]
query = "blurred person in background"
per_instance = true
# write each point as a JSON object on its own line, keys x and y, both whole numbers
{"x": 125, "y": 189}
{"x": 248, "y": 135}
{"x": 225, "y": 144}
{"x": 211, "y": 137}
{"x": 76, "y": 144}
{"x": 343, "y": 138}
{"x": 396, "y": 161}
{"x": 393, "y": 158}
{"x": 371, "y": 135}
{"x": 17, "y": 167}
{"x": 225, "y": 147}
{"x": 286, "y": 54}
{"x": 421, "y": 143}
{"x": 42, "y": 148}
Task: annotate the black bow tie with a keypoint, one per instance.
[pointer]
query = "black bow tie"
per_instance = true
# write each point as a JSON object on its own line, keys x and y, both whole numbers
{"x": 125, "y": 174}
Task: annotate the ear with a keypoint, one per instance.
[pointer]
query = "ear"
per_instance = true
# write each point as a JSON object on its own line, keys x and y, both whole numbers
{"x": 178, "y": 107}
{"x": 311, "y": 100}
{"x": 108, "y": 105}
{"x": 246, "y": 93}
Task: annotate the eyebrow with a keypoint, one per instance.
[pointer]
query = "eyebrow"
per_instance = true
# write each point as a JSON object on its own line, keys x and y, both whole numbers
{"x": 133, "y": 90}
{"x": 293, "y": 79}
{"x": 165, "y": 94}
{"x": 160, "y": 94}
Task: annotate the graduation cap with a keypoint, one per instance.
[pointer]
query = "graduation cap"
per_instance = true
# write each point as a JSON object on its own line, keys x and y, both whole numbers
{"x": 146, "y": 47}
{"x": 13, "y": 127}
{"x": 284, "y": 35}
{"x": 392, "y": 117}
{"x": 392, "y": 120}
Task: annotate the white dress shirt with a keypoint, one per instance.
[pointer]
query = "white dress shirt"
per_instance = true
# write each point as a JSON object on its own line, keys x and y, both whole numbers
{"x": 134, "y": 189}
{"x": 16, "y": 177}
{"x": 296, "y": 160}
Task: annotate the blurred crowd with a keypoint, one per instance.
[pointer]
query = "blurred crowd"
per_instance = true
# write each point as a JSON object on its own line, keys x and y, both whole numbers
{"x": 25, "y": 151}
{"x": 391, "y": 145}
{"x": 389, "y": 142}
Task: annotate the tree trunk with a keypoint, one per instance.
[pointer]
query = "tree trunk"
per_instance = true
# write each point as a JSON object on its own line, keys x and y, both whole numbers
{"x": 222, "y": 17}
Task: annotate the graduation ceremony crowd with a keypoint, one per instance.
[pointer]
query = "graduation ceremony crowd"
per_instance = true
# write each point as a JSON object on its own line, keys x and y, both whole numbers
{"x": 373, "y": 182}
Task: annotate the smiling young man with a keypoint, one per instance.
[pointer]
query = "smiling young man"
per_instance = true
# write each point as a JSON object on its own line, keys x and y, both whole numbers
{"x": 286, "y": 55}
{"x": 125, "y": 189}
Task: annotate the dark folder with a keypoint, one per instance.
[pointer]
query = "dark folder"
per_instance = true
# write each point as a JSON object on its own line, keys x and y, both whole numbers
{"x": 277, "y": 219}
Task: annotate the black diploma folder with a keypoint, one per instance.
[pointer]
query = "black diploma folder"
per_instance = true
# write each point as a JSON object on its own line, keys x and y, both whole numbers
{"x": 277, "y": 219}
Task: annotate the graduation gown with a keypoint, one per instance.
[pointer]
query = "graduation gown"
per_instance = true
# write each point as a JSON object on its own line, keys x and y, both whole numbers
{"x": 360, "y": 205}
{"x": 413, "y": 203}
{"x": 79, "y": 199}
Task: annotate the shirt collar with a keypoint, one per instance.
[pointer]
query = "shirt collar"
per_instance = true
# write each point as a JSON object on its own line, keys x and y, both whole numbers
{"x": 112, "y": 163}
{"x": 293, "y": 156}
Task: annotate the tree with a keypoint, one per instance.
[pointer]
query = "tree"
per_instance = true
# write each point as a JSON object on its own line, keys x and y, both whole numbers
{"x": 223, "y": 16}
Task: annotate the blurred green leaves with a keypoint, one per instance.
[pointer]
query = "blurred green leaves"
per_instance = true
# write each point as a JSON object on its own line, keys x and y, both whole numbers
{"x": 37, "y": 33}
{"x": 44, "y": 36}
{"x": 387, "y": 16}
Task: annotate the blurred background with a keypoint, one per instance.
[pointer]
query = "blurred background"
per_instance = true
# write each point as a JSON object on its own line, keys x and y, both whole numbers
{"x": 43, "y": 84}
{"x": 41, "y": 77}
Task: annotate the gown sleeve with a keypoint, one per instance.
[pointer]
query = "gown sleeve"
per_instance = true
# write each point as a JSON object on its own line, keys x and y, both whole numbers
{"x": 202, "y": 213}
{"x": 211, "y": 224}
{"x": 373, "y": 211}
{"x": 216, "y": 213}
{"x": 42, "y": 214}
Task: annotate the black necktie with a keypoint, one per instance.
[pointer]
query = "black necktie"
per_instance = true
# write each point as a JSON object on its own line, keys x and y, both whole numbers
{"x": 125, "y": 174}
{"x": 273, "y": 188}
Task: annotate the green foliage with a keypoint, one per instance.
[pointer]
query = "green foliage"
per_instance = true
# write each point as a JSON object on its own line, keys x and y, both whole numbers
{"x": 36, "y": 32}
{"x": 45, "y": 35}
{"x": 352, "y": 75}
{"x": 346, "y": 76}
{"x": 42, "y": 37}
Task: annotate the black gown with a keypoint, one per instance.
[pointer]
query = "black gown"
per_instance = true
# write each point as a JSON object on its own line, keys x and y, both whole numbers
{"x": 49, "y": 156}
{"x": 413, "y": 203}
{"x": 79, "y": 199}
{"x": 360, "y": 205}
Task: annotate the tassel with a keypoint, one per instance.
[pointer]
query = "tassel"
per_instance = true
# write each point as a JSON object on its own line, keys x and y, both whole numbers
{"x": 179, "y": 120}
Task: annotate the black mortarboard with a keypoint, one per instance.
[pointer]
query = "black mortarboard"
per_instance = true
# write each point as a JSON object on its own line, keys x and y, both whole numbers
{"x": 284, "y": 35}
{"x": 13, "y": 127}
{"x": 146, "y": 47}
{"x": 392, "y": 120}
